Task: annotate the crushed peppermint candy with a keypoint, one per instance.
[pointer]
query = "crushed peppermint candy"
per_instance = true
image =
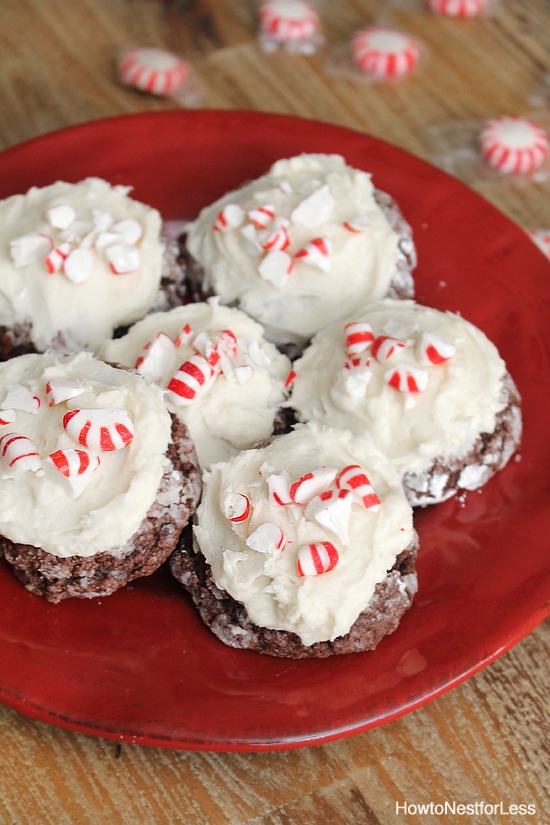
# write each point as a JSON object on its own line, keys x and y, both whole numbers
{"x": 236, "y": 507}
{"x": 315, "y": 559}
{"x": 268, "y": 538}
{"x": 75, "y": 467}
{"x": 103, "y": 430}
{"x": 19, "y": 397}
{"x": 17, "y": 452}
{"x": 59, "y": 390}
{"x": 407, "y": 378}
{"x": 317, "y": 253}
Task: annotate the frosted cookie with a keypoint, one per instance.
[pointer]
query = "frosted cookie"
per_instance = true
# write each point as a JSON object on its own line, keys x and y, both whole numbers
{"x": 77, "y": 261}
{"x": 303, "y": 246}
{"x": 97, "y": 480}
{"x": 219, "y": 374}
{"x": 303, "y": 548}
{"x": 428, "y": 387}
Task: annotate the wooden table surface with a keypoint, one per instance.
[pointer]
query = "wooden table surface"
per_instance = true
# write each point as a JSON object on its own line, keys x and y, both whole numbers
{"x": 487, "y": 740}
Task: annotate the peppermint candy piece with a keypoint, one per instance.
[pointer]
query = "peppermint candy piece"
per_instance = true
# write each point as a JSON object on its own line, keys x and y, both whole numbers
{"x": 317, "y": 253}
{"x": 541, "y": 237}
{"x": 315, "y": 209}
{"x": 458, "y": 8}
{"x": 61, "y": 216}
{"x": 358, "y": 224}
{"x": 359, "y": 337}
{"x": 17, "y": 452}
{"x": 385, "y": 348}
{"x": 354, "y": 478}
{"x": 311, "y": 484}
{"x": 55, "y": 260}
{"x": 102, "y": 430}
{"x": 275, "y": 268}
{"x": 289, "y": 20}
{"x": 236, "y": 507}
{"x": 276, "y": 239}
{"x": 152, "y": 70}
{"x": 384, "y": 53}
{"x": 290, "y": 379}
{"x": 356, "y": 376}
{"x": 262, "y": 216}
{"x": 157, "y": 357}
{"x": 123, "y": 258}
{"x": 513, "y": 145}
{"x": 19, "y": 397}
{"x": 7, "y": 417}
{"x": 278, "y": 485}
{"x": 268, "y": 538}
{"x": 129, "y": 230}
{"x": 193, "y": 377}
{"x": 30, "y": 248}
{"x": 431, "y": 349}
{"x": 318, "y": 558}
{"x": 184, "y": 337}
{"x": 75, "y": 467}
{"x": 78, "y": 265}
{"x": 230, "y": 217}
{"x": 332, "y": 510}
{"x": 406, "y": 378}
{"x": 62, "y": 389}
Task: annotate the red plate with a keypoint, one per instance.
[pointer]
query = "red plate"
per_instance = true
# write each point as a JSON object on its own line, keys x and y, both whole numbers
{"x": 139, "y": 666}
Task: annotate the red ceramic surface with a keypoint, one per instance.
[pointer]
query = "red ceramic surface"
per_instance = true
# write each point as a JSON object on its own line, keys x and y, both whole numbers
{"x": 139, "y": 666}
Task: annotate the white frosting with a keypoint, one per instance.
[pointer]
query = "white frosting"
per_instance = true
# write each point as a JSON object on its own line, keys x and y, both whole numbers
{"x": 236, "y": 411}
{"x": 38, "y": 508}
{"x": 316, "y": 195}
{"x": 460, "y": 401}
{"x": 319, "y": 607}
{"x": 84, "y": 313}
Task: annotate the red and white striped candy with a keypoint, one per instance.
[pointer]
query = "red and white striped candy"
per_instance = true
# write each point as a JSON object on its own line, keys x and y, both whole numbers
{"x": 152, "y": 70}
{"x": 193, "y": 377}
{"x": 76, "y": 466}
{"x": 458, "y": 8}
{"x": 30, "y": 248}
{"x": 311, "y": 484}
{"x": 358, "y": 224}
{"x": 226, "y": 340}
{"x": 359, "y": 337}
{"x": 431, "y": 349}
{"x": 19, "y": 453}
{"x": 385, "y": 348}
{"x": 123, "y": 258}
{"x": 7, "y": 417}
{"x": 78, "y": 265}
{"x": 289, "y": 19}
{"x": 318, "y": 558}
{"x": 236, "y": 507}
{"x": 384, "y": 53}
{"x": 513, "y": 145}
{"x": 332, "y": 510}
{"x": 354, "y": 478}
{"x": 290, "y": 379}
{"x": 61, "y": 216}
{"x": 277, "y": 238}
{"x": 62, "y": 389}
{"x": 541, "y": 237}
{"x": 278, "y": 485}
{"x": 103, "y": 430}
{"x": 276, "y": 268}
{"x": 268, "y": 538}
{"x": 19, "y": 397}
{"x": 317, "y": 253}
{"x": 406, "y": 378}
{"x": 157, "y": 357}
{"x": 54, "y": 261}
{"x": 230, "y": 217}
{"x": 184, "y": 337}
{"x": 262, "y": 216}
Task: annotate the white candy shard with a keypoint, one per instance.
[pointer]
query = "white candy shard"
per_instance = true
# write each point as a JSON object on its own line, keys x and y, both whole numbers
{"x": 17, "y": 452}
{"x": 102, "y": 430}
{"x": 73, "y": 467}
{"x": 332, "y": 510}
{"x": 62, "y": 216}
{"x": 236, "y": 507}
{"x": 356, "y": 376}
{"x": 19, "y": 397}
{"x": 231, "y": 217}
{"x": 358, "y": 224}
{"x": 318, "y": 558}
{"x": 315, "y": 209}
{"x": 30, "y": 248}
{"x": 62, "y": 389}
{"x": 157, "y": 358}
{"x": 406, "y": 378}
{"x": 354, "y": 478}
{"x": 244, "y": 373}
{"x": 193, "y": 377}
{"x": 268, "y": 538}
{"x": 123, "y": 258}
{"x": 7, "y": 417}
{"x": 278, "y": 485}
{"x": 311, "y": 484}
{"x": 431, "y": 349}
{"x": 317, "y": 253}
{"x": 78, "y": 265}
{"x": 129, "y": 230}
{"x": 275, "y": 268}
{"x": 77, "y": 231}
